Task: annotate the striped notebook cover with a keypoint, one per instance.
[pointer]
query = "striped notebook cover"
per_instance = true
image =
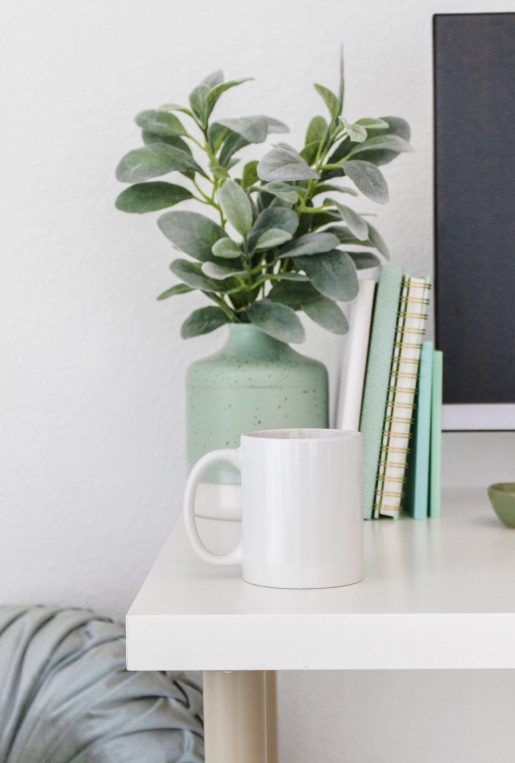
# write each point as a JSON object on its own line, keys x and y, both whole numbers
{"x": 397, "y": 426}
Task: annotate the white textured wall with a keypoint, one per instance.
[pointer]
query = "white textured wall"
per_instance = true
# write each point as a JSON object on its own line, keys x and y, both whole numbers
{"x": 92, "y": 402}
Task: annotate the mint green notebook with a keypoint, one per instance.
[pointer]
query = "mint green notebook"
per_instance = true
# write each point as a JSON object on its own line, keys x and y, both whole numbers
{"x": 377, "y": 378}
{"x": 417, "y": 502}
{"x": 435, "y": 468}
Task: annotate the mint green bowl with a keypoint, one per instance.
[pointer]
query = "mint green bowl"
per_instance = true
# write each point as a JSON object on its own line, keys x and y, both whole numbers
{"x": 502, "y": 498}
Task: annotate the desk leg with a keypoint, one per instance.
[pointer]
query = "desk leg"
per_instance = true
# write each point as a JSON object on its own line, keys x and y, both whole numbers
{"x": 240, "y": 717}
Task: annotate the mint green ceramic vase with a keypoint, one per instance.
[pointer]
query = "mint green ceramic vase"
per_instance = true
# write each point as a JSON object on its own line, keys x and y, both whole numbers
{"x": 253, "y": 382}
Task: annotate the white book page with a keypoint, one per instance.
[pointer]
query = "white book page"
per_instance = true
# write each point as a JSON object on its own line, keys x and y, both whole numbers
{"x": 350, "y": 393}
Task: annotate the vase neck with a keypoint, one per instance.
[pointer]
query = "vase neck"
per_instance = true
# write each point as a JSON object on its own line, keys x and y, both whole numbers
{"x": 249, "y": 341}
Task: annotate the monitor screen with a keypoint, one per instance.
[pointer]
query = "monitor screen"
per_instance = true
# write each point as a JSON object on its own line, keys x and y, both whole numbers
{"x": 474, "y": 79}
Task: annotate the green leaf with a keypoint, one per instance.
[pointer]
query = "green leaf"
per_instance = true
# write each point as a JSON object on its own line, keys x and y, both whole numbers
{"x": 368, "y": 179}
{"x": 283, "y": 191}
{"x": 202, "y": 321}
{"x": 327, "y": 314}
{"x": 356, "y": 132}
{"x": 364, "y": 260}
{"x": 276, "y": 320}
{"x": 293, "y": 293}
{"x": 191, "y": 233}
{"x": 220, "y": 272}
{"x": 213, "y": 79}
{"x": 382, "y": 142}
{"x": 236, "y": 206}
{"x": 369, "y": 123}
{"x": 273, "y": 217}
{"x": 198, "y": 102}
{"x": 340, "y": 152}
{"x": 215, "y": 93}
{"x": 291, "y": 276}
{"x": 284, "y": 163}
{"x": 148, "y": 197}
{"x": 378, "y": 241}
{"x": 357, "y": 224}
{"x": 330, "y": 100}
{"x": 332, "y": 273}
{"x": 316, "y": 131}
{"x": 375, "y": 240}
{"x": 249, "y": 175}
{"x": 152, "y": 161}
{"x": 272, "y": 237}
{"x": 226, "y": 248}
{"x": 231, "y": 145}
{"x": 175, "y": 107}
{"x": 328, "y": 187}
{"x": 191, "y": 274}
{"x": 324, "y": 218}
{"x": 344, "y": 235}
{"x": 303, "y": 296}
{"x": 221, "y": 173}
{"x": 398, "y": 126}
{"x": 216, "y": 135}
{"x": 160, "y": 123}
{"x": 254, "y": 129}
{"x": 309, "y": 153}
{"x": 149, "y": 138}
{"x": 310, "y": 244}
{"x": 341, "y": 82}
{"x": 395, "y": 126}
{"x": 179, "y": 288}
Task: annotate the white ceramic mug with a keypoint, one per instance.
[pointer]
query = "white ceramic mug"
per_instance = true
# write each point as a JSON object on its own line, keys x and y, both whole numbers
{"x": 302, "y": 524}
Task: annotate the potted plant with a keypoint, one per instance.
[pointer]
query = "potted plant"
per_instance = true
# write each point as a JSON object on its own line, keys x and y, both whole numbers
{"x": 267, "y": 240}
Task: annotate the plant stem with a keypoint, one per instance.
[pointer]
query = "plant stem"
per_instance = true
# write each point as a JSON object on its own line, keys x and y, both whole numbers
{"x": 201, "y": 201}
{"x": 194, "y": 140}
{"x": 206, "y": 198}
{"x": 334, "y": 166}
{"x": 214, "y": 181}
{"x": 324, "y": 148}
{"x": 315, "y": 210}
{"x": 220, "y": 301}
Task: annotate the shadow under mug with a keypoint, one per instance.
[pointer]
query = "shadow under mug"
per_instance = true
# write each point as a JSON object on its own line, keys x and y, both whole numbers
{"x": 302, "y": 522}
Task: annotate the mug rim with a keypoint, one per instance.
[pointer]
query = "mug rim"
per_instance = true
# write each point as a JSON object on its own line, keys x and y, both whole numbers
{"x": 308, "y": 434}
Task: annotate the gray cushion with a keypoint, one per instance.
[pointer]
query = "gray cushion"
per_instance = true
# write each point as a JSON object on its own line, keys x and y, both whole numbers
{"x": 65, "y": 695}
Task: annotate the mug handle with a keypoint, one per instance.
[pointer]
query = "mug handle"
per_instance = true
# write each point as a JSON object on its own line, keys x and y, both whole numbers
{"x": 231, "y": 456}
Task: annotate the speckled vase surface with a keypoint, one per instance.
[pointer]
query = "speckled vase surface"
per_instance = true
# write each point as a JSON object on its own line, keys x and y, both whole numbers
{"x": 253, "y": 382}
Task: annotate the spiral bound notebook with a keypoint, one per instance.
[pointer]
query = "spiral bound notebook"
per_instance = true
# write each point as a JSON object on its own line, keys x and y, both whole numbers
{"x": 399, "y": 412}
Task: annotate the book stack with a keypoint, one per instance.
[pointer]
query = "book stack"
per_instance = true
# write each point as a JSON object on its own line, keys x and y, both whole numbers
{"x": 391, "y": 390}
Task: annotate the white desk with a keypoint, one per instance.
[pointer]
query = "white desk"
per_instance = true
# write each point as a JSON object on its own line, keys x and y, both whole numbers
{"x": 437, "y": 594}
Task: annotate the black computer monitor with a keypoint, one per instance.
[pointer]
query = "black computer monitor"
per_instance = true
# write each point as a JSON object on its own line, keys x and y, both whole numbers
{"x": 474, "y": 120}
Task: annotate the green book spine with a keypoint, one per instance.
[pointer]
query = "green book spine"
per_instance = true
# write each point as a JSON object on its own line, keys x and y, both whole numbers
{"x": 378, "y": 378}
{"x": 436, "y": 436}
{"x": 418, "y": 483}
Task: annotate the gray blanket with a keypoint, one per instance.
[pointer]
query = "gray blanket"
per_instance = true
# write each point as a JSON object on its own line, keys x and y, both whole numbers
{"x": 65, "y": 695}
